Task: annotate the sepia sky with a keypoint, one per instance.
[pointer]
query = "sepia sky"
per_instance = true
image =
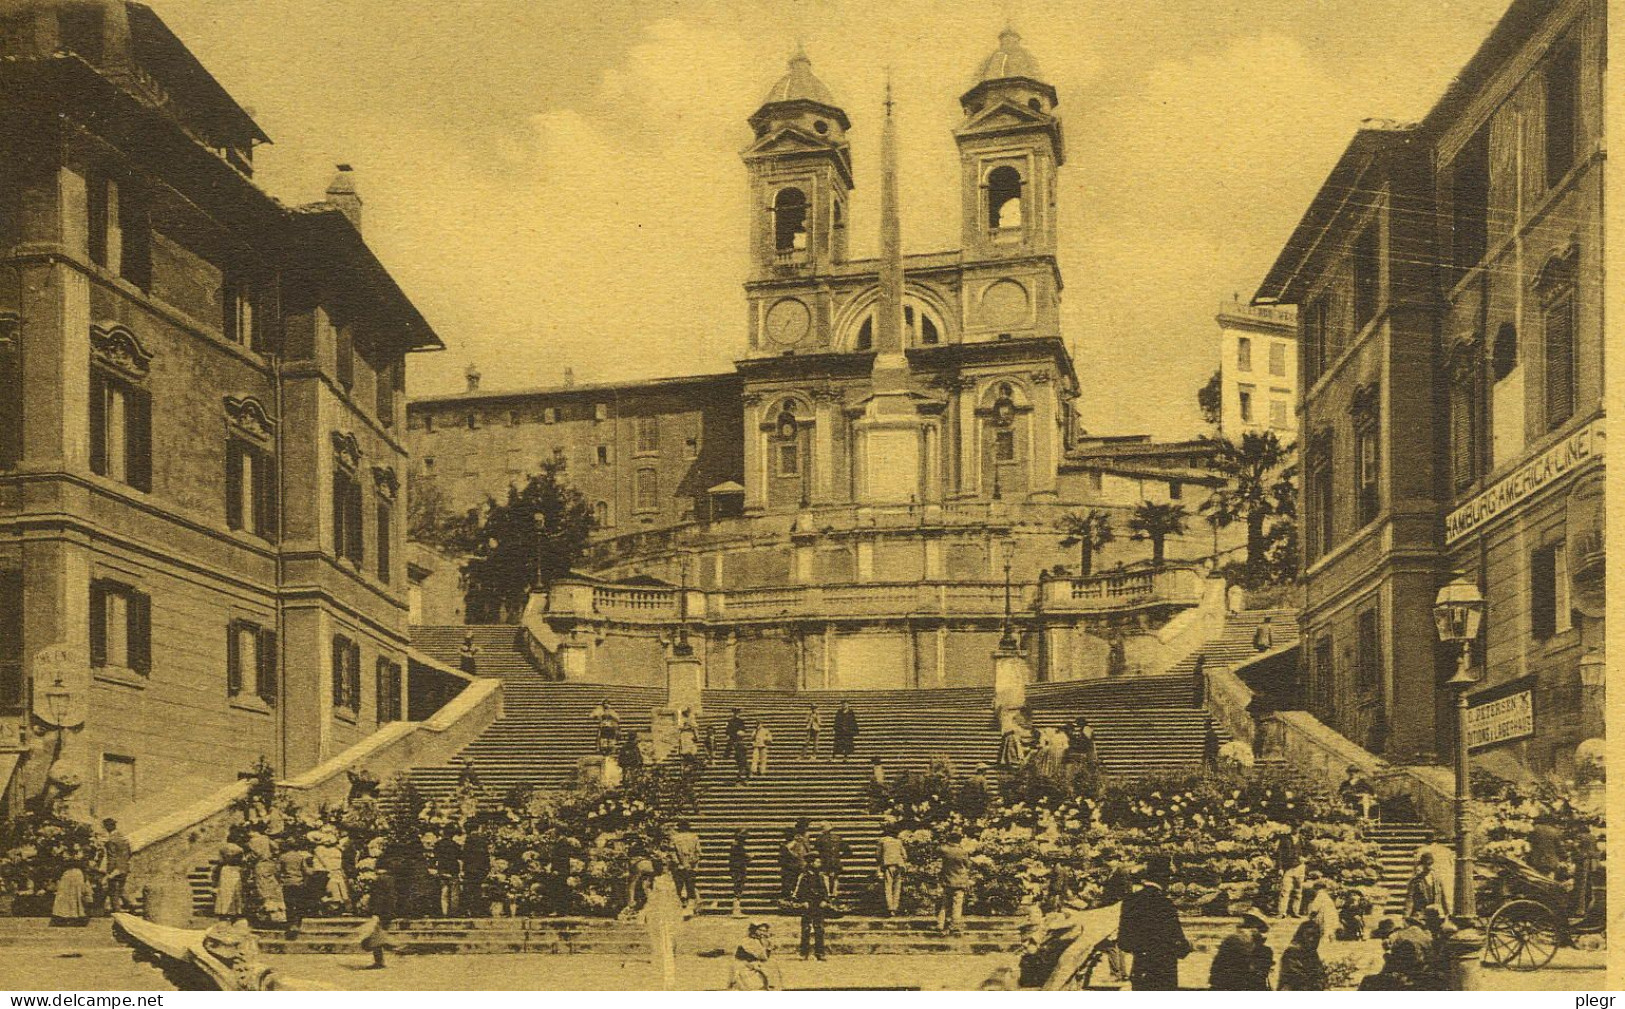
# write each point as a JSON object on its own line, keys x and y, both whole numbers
{"x": 557, "y": 183}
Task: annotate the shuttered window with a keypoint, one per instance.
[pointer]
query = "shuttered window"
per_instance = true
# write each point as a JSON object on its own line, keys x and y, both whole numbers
{"x": 385, "y": 516}
{"x": 251, "y": 661}
{"x": 120, "y": 430}
{"x": 1558, "y": 315}
{"x": 250, "y": 489}
{"x": 120, "y": 627}
{"x": 346, "y": 673}
{"x": 348, "y": 538}
{"x": 389, "y": 690}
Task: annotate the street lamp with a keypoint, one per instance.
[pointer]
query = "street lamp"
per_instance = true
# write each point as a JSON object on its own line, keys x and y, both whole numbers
{"x": 1007, "y": 641}
{"x": 1457, "y": 612}
{"x": 681, "y": 646}
{"x": 58, "y": 699}
{"x": 541, "y": 536}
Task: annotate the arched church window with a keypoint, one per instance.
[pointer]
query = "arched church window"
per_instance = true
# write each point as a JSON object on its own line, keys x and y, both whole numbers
{"x": 1003, "y": 198}
{"x": 790, "y": 220}
{"x": 787, "y": 448}
{"x": 928, "y": 330}
{"x": 866, "y": 334}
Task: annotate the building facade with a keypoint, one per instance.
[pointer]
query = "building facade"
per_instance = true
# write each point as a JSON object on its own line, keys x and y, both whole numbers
{"x": 202, "y": 411}
{"x": 1258, "y": 370}
{"x": 1451, "y": 414}
{"x": 892, "y": 423}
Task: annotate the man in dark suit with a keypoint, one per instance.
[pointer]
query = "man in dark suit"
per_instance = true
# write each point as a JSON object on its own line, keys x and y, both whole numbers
{"x": 1148, "y": 929}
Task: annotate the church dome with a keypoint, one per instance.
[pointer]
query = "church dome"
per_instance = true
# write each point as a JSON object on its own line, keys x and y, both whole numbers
{"x": 799, "y": 85}
{"x": 1011, "y": 59}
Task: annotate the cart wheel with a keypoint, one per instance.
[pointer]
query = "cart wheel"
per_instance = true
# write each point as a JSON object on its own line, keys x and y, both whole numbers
{"x": 1522, "y": 935}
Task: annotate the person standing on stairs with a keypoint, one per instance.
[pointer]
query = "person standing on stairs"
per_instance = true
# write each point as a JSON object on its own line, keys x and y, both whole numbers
{"x": 1264, "y": 637}
{"x": 686, "y": 855}
{"x": 811, "y": 899}
{"x": 832, "y": 854}
{"x": 812, "y": 729}
{"x": 1289, "y": 864}
{"x": 468, "y": 656}
{"x": 1148, "y": 930}
{"x": 608, "y": 721}
{"x": 661, "y": 914}
{"x": 955, "y": 881}
{"x": 893, "y": 858}
{"x": 760, "y": 741}
{"x": 793, "y": 854}
{"x": 846, "y": 731}
{"x": 739, "y": 869}
{"x": 737, "y": 747}
{"x": 115, "y": 864}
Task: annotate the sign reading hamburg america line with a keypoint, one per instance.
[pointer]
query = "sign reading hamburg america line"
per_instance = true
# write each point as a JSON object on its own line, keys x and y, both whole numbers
{"x": 1566, "y": 456}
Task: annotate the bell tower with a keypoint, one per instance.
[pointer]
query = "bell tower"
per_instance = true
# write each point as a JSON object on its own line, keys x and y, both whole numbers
{"x": 1009, "y": 148}
{"x": 800, "y": 177}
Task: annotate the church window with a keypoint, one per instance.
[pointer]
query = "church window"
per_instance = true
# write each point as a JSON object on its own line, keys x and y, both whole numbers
{"x": 928, "y": 330}
{"x": 866, "y": 335}
{"x": 790, "y": 221}
{"x": 1003, "y": 198}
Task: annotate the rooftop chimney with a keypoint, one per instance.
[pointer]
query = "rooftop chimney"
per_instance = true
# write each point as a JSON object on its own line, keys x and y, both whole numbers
{"x": 473, "y": 376}
{"x": 342, "y": 193}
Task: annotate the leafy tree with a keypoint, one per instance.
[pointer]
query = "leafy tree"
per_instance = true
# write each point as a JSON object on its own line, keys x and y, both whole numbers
{"x": 429, "y": 521}
{"x": 536, "y": 535}
{"x": 1210, "y": 400}
{"x": 1088, "y": 531}
{"x": 1156, "y": 522}
{"x": 1258, "y": 492}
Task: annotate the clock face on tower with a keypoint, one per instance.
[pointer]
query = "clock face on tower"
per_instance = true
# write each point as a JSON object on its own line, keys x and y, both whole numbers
{"x": 787, "y": 322}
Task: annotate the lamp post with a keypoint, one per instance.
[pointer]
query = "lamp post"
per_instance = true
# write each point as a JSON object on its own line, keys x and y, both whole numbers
{"x": 1457, "y": 612}
{"x": 1007, "y": 640}
{"x": 681, "y": 646}
{"x": 540, "y": 521}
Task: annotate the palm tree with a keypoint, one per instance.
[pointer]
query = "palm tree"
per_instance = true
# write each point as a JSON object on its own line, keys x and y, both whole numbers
{"x": 1088, "y": 531}
{"x": 1156, "y": 522}
{"x": 1257, "y": 489}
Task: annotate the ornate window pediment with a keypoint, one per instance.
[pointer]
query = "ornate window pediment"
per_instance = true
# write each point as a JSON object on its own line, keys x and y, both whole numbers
{"x": 116, "y": 347}
{"x": 248, "y": 417}
{"x": 384, "y": 479}
{"x": 346, "y": 450}
{"x": 1558, "y": 272}
{"x": 1461, "y": 362}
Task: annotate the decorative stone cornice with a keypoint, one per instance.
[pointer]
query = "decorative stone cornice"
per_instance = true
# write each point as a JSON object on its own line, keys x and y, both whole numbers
{"x": 384, "y": 479}
{"x": 116, "y": 347}
{"x": 346, "y": 450}
{"x": 751, "y": 399}
{"x": 249, "y": 417}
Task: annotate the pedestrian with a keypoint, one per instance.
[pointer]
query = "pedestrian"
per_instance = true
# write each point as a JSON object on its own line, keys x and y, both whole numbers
{"x": 688, "y": 736}
{"x": 630, "y": 756}
{"x": 1545, "y": 847}
{"x": 662, "y": 913}
{"x": 468, "y": 656}
{"x": 293, "y": 869}
{"x": 1060, "y": 888}
{"x": 1148, "y": 930}
{"x": 328, "y": 862}
{"x": 1357, "y": 793}
{"x": 1425, "y": 890}
{"x": 893, "y": 858}
{"x": 811, "y": 900}
{"x": 737, "y": 749}
{"x": 383, "y": 902}
{"x": 1301, "y": 966}
{"x": 228, "y": 879}
{"x": 1320, "y": 903}
{"x": 608, "y": 723}
{"x": 846, "y": 731}
{"x": 1244, "y": 959}
{"x": 753, "y": 968}
{"x": 267, "y": 884}
{"x": 1351, "y": 915}
{"x": 792, "y": 861}
{"x": 832, "y": 854}
{"x": 739, "y": 868}
{"x": 1264, "y": 637}
{"x": 1407, "y": 960}
{"x": 955, "y": 881}
{"x": 1290, "y": 869}
{"x": 640, "y": 873}
{"x": 476, "y": 870}
{"x": 760, "y": 741}
{"x": 448, "y": 871}
{"x": 685, "y": 865}
{"x": 1012, "y": 732}
{"x": 811, "y": 729}
{"x": 70, "y": 906}
{"x": 115, "y": 864}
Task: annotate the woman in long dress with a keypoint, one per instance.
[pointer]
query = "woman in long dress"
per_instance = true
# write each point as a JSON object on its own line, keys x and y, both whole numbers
{"x": 71, "y": 906}
{"x": 662, "y": 914}
{"x": 228, "y": 882}
{"x": 329, "y": 858}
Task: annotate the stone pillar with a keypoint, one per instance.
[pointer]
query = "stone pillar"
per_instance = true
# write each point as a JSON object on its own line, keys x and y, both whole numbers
{"x": 755, "y": 458}
{"x": 663, "y": 732}
{"x": 970, "y": 472}
{"x": 823, "y": 449}
{"x": 1045, "y": 435}
{"x": 685, "y": 678}
{"x": 573, "y": 656}
{"x": 1011, "y": 674}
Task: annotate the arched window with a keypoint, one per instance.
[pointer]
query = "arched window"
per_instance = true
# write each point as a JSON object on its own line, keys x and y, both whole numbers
{"x": 787, "y": 441}
{"x": 600, "y": 514}
{"x": 866, "y": 334}
{"x": 928, "y": 330}
{"x": 1003, "y": 198}
{"x": 1506, "y": 350}
{"x": 790, "y": 220}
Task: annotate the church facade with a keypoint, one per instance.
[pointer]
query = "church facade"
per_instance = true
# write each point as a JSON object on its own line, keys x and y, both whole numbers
{"x": 902, "y": 421}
